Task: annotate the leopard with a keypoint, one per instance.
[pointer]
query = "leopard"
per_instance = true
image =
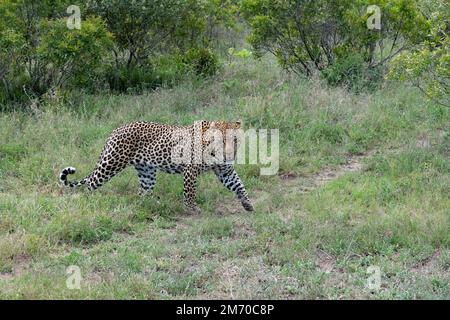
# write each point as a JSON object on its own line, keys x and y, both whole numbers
{"x": 150, "y": 146}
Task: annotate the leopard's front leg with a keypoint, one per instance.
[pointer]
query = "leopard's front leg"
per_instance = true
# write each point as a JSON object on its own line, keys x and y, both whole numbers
{"x": 230, "y": 179}
{"x": 190, "y": 175}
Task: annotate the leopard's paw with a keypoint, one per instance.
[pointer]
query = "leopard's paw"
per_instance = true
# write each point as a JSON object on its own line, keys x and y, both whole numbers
{"x": 247, "y": 205}
{"x": 192, "y": 210}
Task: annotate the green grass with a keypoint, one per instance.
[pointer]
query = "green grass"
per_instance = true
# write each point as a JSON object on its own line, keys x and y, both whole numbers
{"x": 394, "y": 213}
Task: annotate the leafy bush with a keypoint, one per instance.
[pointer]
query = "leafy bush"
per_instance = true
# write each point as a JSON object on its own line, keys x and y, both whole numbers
{"x": 42, "y": 54}
{"x": 11, "y": 46}
{"x": 312, "y": 35}
{"x": 162, "y": 70}
{"x": 122, "y": 79}
{"x": 169, "y": 68}
{"x": 427, "y": 66}
{"x": 125, "y": 45}
{"x": 149, "y": 36}
{"x": 73, "y": 55}
{"x": 351, "y": 72}
{"x": 202, "y": 61}
{"x": 140, "y": 28}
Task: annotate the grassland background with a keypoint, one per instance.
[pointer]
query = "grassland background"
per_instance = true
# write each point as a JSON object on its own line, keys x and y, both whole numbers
{"x": 304, "y": 240}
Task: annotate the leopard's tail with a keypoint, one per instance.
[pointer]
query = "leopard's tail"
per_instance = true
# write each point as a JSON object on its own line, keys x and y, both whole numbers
{"x": 63, "y": 178}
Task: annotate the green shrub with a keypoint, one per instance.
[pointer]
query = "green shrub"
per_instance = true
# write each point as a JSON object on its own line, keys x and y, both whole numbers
{"x": 12, "y": 91}
{"x": 134, "y": 25}
{"x": 310, "y": 36}
{"x": 73, "y": 55}
{"x": 160, "y": 71}
{"x": 353, "y": 73}
{"x": 124, "y": 79}
{"x": 39, "y": 54}
{"x": 169, "y": 68}
{"x": 202, "y": 61}
{"x": 427, "y": 66}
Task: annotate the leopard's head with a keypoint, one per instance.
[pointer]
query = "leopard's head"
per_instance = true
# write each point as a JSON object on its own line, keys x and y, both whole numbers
{"x": 229, "y": 133}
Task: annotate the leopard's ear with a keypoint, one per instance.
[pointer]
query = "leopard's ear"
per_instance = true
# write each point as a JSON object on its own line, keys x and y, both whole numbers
{"x": 238, "y": 123}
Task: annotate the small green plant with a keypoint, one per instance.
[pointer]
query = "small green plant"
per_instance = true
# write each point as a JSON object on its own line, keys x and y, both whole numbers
{"x": 243, "y": 53}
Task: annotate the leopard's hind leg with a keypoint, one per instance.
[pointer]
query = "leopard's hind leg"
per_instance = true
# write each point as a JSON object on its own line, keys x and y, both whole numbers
{"x": 147, "y": 178}
{"x": 101, "y": 175}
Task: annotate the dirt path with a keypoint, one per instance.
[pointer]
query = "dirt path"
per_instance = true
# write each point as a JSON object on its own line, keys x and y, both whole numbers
{"x": 353, "y": 164}
{"x": 304, "y": 184}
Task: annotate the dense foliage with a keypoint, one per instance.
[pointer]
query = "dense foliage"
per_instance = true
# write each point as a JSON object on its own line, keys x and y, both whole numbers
{"x": 427, "y": 65}
{"x": 314, "y": 35}
{"x": 121, "y": 44}
{"x": 142, "y": 44}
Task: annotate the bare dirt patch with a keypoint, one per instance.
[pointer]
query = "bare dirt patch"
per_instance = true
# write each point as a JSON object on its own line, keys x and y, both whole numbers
{"x": 427, "y": 265}
{"x": 353, "y": 164}
{"x": 325, "y": 262}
